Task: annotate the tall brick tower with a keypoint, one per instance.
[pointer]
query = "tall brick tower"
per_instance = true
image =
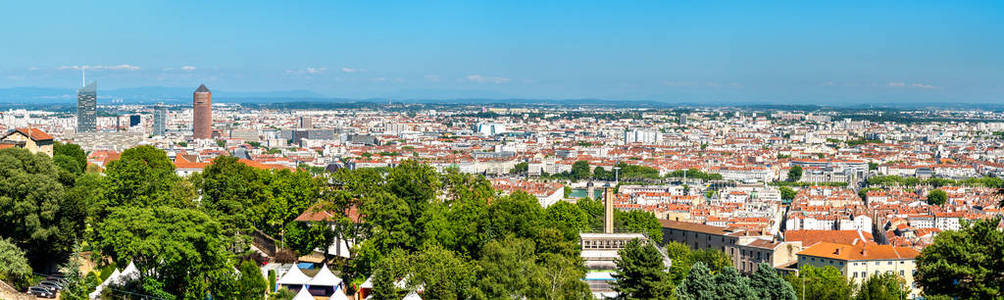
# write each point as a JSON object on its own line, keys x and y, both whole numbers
{"x": 202, "y": 115}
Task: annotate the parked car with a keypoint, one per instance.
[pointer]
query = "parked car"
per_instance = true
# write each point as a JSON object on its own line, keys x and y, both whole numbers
{"x": 50, "y": 288}
{"x": 58, "y": 285}
{"x": 41, "y": 292}
{"x": 56, "y": 277}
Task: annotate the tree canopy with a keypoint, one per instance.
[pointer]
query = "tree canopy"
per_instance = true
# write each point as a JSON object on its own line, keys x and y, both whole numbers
{"x": 641, "y": 273}
{"x": 937, "y": 197}
{"x": 183, "y": 249}
{"x": 967, "y": 264}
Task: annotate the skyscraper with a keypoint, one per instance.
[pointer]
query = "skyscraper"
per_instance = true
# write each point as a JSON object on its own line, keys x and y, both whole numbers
{"x": 134, "y": 120}
{"x": 159, "y": 119}
{"x": 87, "y": 102}
{"x": 202, "y": 114}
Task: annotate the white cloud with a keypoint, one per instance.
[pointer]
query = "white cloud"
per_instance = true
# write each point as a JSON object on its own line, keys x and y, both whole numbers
{"x": 487, "y": 79}
{"x": 915, "y": 85}
{"x": 351, "y": 70}
{"x": 188, "y": 68}
{"x": 308, "y": 70}
{"x": 126, "y": 67}
{"x": 430, "y": 77}
{"x": 33, "y": 68}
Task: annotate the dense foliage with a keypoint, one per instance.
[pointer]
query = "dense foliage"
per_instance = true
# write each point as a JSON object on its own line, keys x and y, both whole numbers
{"x": 36, "y": 212}
{"x": 14, "y": 268}
{"x": 458, "y": 238}
{"x": 641, "y": 273}
{"x": 821, "y": 283}
{"x": 966, "y": 264}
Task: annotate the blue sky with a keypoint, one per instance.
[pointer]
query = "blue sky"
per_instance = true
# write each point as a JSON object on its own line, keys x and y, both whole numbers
{"x": 701, "y": 51}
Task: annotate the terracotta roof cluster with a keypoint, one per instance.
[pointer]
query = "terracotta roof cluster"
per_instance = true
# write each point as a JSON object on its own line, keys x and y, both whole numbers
{"x": 859, "y": 250}
{"x": 812, "y": 237}
{"x": 35, "y": 134}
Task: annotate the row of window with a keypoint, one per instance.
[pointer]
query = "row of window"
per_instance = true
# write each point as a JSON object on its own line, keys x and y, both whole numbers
{"x": 902, "y": 273}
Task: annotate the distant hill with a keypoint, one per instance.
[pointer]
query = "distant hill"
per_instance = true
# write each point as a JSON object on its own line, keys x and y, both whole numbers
{"x": 139, "y": 95}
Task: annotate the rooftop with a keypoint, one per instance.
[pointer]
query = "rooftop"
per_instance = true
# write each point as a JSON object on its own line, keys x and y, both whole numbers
{"x": 859, "y": 251}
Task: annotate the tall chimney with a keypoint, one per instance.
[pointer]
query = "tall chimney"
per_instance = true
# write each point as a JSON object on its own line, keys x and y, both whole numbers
{"x": 608, "y": 205}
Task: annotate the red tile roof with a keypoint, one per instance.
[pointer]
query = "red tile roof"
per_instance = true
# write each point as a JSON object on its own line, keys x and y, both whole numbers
{"x": 859, "y": 251}
{"x": 34, "y": 133}
{"x": 812, "y": 237}
{"x": 316, "y": 214}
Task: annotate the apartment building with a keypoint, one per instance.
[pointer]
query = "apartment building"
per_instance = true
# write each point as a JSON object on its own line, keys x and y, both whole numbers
{"x": 861, "y": 259}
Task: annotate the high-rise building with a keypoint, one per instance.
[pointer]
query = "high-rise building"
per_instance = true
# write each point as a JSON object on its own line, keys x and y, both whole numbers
{"x": 159, "y": 119}
{"x": 306, "y": 123}
{"x": 87, "y": 102}
{"x": 134, "y": 120}
{"x": 202, "y": 114}
{"x": 642, "y": 136}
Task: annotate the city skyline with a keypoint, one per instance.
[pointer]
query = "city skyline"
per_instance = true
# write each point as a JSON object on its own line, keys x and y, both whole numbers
{"x": 770, "y": 52}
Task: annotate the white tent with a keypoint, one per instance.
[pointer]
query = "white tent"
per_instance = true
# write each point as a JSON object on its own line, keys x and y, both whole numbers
{"x": 325, "y": 278}
{"x": 303, "y": 294}
{"x": 97, "y": 290}
{"x": 338, "y": 295}
{"x": 412, "y": 296}
{"x": 294, "y": 277}
{"x": 128, "y": 274}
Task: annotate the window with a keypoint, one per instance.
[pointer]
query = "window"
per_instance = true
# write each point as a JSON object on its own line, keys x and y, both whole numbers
{"x": 901, "y": 273}
{"x": 878, "y": 263}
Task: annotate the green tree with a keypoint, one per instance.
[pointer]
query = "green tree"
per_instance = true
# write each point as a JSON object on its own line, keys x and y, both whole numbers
{"x": 562, "y": 278}
{"x": 681, "y": 258}
{"x": 14, "y": 267}
{"x": 66, "y": 163}
{"x": 231, "y": 190}
{"x": 638, "y": 221}
{"x": 384, "y": 287}
{"x": 767, "y": 284}
{"x": 250, "y": 283}
{"x": 289, "y": 194}
{"x": 34, "y": 210}
{"x": 567, "y": 218}
{"x": 787, "y": 193}
{"x": 821, "y": 283}
{"x": 964, "y": 264}
{"x": 70, "y": 157}
{"x": 518, "y": 213}
{"x": 937, "y": 197}
{"x": 580, "y": 170}
{"x": 886, "y": 286}
{"x": 520, "y": 168}
{"x": 443, "y": 274}
{"x": 699, "y": 284}
{"x": 186, "y": 247}
{"x": 714, "y": 259}
{"x": 729, "y": 284}
{"x": 795, "y": 173}
{"x": 641, "y": 273}
{"x": 77, "y": 286}
{"x": 144, "y": 177}
{"x": 594, "y": 208}
{"x": 502, "y": 258}
{"x": 600, "y": 173}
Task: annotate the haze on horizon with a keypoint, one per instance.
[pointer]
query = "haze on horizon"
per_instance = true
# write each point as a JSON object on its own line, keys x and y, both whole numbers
{"x": 785, "y": 52}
